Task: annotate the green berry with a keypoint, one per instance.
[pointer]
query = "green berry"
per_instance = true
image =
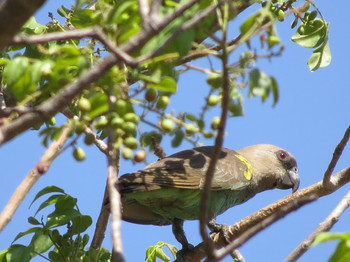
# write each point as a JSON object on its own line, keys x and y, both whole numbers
{"x": 140, "y": 156}
{"x": 167, "y": 125}
{"x": 129, "y": 127}
{"x": 120, "y": 106}
{"x": 79, "y": 154}
{"x": 213, "y": 100}
{"x": 84, "y": 104}
{"x": 131, "y": 117}
{"x": 127, "y": 153}
{"x": 215, "y": 80}
{"x": 190, "y": 129}
{"x": 151, "y": 95}
{"x": 215, "y": 123}
{"x": 163, "y": 102}
{"x": 79, "y": 128}
{"x": 273, "y": 40}
{"x": 89, "y": 139}
{"x": 280, "y": 15}
{"x": 208, "y": 134}
{"x": 102, "y": 122}
{"x": 117, "y": 122}
{"x": 131, "y": 142}
{"x": 52, "y": 121}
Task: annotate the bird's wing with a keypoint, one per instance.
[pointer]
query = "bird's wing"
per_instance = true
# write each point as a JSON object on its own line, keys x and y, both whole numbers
{"x": 187, "y": 170}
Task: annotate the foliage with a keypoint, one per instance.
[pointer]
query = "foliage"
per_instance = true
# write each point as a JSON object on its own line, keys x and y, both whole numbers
{"x": 67, "y": 246}
{"x": 342, "y": 252}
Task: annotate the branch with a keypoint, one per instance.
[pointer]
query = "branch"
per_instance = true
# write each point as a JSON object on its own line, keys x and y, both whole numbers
{"x": 94, "y": 32}
{"x": 325, "y": 226}
{"x": 56, "y": 103}
{"x": 13, "y": 15}
{"x": 40, "y": 169}
{"x": 204, "y": 209}
{"x": 115, "y": 200}
{"x": 236, "y": 230}
{"x": 101, "y": 224}
{"x": 336, "y": 155}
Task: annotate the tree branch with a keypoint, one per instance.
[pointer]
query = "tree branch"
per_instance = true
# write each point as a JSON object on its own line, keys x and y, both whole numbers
{"x": 13, "y": 15}
{"x": 336, "y": 155}
{"x": 40, "y": 169}
{"x": 101, "y": 224}
{"x": 325, "y": 226}
{"x": 56, "y": 103}
{"x": 114, "y": 198}
{"x": 238, "y": 229}
{"x": 204, "y": 209}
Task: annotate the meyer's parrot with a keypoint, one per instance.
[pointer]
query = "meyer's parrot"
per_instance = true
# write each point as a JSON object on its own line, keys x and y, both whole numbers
{"x": 169, "y": 190}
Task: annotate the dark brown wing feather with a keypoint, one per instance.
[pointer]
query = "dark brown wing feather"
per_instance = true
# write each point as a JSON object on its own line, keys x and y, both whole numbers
{"x": 187, "y": 170}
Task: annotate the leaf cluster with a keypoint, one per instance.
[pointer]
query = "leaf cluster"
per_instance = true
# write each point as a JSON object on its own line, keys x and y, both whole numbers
{"x": 60, "y": 234}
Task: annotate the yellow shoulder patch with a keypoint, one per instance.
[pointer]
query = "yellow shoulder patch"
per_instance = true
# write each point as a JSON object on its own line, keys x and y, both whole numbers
{"x": 249, "y": 171}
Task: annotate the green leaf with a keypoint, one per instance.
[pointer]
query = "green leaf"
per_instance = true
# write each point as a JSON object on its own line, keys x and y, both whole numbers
{"x": 249, "y": 25}
{"x": 312, "y": 34}
{"x": 41, "y": 241}
{"x": 261, "y": 84}
{"x": 179, "y": 135}
{"x": 99, "y": 104}
{"x": 80, "y": 224}
{"x": 47, "y": 190}
{"x": 342, "y": 252}
{"x": 83, "y": 18}
{"x": 321, "y": 57}
{"x": 56, "y": 219}
{"x": 275, "y": 90}
{"x": 28, "y": 231}
{"x": 166, "y": 84}
{"x": 157, "y": 251}
{"x": 19, "y": 253}
{"x": 17, "y": 77}
{"x": 3, "y": 255}
{"x": 33, "y": 27}
{"x": 33, "y": 221}
{"x": 51, "y": 200}
{"x": 327, "y": 236}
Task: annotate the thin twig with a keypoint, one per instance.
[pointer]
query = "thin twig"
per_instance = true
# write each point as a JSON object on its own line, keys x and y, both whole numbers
{"x": 204, "y": 208}
{"x": 102, "y": 221}
{"x": 40, "y": 169}
{"x": 336, "y": 155}
{"x": 325, "y": 226}
{"x": 158, "y": 149}
{"x": 237, "y": 256}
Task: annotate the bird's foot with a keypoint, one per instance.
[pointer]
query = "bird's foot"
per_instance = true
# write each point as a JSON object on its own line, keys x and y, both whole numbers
{"x": 219, "y": 228}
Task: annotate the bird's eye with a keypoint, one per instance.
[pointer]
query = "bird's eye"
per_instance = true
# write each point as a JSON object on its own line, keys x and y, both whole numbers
{"x": 282, "y": 155}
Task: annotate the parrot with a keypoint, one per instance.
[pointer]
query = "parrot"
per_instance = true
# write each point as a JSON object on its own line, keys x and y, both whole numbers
{"x": 168, "y": 192}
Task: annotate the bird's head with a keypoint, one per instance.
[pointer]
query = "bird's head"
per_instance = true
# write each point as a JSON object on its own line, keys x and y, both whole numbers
{"x": 273, "y": 167}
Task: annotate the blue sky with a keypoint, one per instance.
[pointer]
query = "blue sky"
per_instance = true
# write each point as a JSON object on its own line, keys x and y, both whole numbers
{"x": 309, "y": 120}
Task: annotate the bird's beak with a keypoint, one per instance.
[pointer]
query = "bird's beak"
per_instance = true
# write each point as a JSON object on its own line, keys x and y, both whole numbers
{"x": 290, "y": 181}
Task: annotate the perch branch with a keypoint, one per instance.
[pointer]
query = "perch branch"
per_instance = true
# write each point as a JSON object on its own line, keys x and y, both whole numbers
{"x": 234, "y": 231}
